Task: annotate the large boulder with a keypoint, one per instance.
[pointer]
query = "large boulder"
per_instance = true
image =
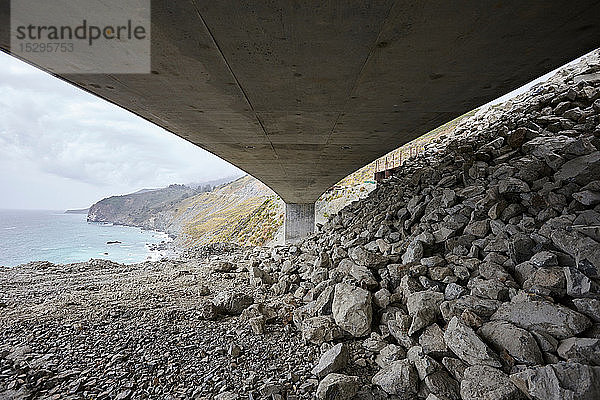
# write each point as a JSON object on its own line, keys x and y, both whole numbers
{"x": 482, "y": 382}
{"x": 432, "y": 341}
{"x": 561, "y": 381}
{"x": 320, "y": 329}
{"x": 424, "y": 307}
{"x": 581, "y": 350}
{"x": 398, "y": 378}
{"x": 589, "y": 307}
{"x": 352, "y": 310}
{"x": 232, "y": 303}
{"x": 332, "y": 360}
{"x": 582, "y": 170}
{"x": 465, "y": 343}
{"x": 555, "y": 319}
{"x": 442, "y": 385}
{"x": 364, "y": 257}
{"x": 518, "y": 342}
{"x": 337, "y": 387}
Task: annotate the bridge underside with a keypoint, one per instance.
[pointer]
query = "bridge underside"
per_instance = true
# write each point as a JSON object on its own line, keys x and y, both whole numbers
{"x": 299, "y": 93}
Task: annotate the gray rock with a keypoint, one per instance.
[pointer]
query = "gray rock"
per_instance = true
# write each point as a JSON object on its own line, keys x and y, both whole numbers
{"x": 578, "y": 284}
{"x": 260, "y": 277}
{"x": 518, "y": 342}
{"x": 584, "y": 250}
{"x": 561, "y": 381}
{"x": 465, "y": 343}
{"x": 544, "y": 259}
{"x": 337, "y": 387}
{"x": 455, "y": 366}
{"x": 227, "y": 396}
{"x": 520, "y": 247}
{"x": 424, "y": 307}
{"x": 482, "y": 382}
{"x": 424, "y": 364}
{"x": 319, "y": 329}
{"x": 549, "y": 281}
{"x": 442, "y": 385}
{"x": 581, "y": 350}
{"x": 381, "y": 298}
{"x": 257, "y": 324}
{"x": 363, "y": 276}
{"x": 542, "y": 146}
{"x": 332, "y": 360}
{"x": 589, "y": 307}
{"x": 480, "y": 306}
{"x": 352, "y": 310}
{"x": 432, "y": 341}
{"x": 414, "y": 252}
{"x": 512, "y": 185}
{"x": 546, "y": 342}
{"x": 581, "y": 169}
{"x": 593, "y": 78}
{"x": 374, "y": 343}
{"x": 366, "y": 258}
{"x": 454, "y": 291}
{"x": 399, "y": 328}
{"x": 232, "y": 303}
{"x": 207, "y": 310}
{"x": 555, "y": 319}
{"x": 398, "y": 378}
{"x": 259, "y": 309}
{"x": 221, "y": 266}
{"x": 488, "y": 289}
{"x": 323, "y": 303}
{"x": 441, "y": 273}
{"x": 434, "y": 261}
{"x": 587, "y": 197}
{"x": 479, "y": 229}
{"x": 389, "y": 354}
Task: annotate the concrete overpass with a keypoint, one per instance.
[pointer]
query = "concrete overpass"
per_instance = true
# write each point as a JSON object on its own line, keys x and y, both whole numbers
{"x": 301, "y": 93}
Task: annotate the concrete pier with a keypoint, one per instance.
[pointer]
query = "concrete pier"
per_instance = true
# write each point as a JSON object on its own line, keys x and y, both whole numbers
{"x": 299, "y": 221}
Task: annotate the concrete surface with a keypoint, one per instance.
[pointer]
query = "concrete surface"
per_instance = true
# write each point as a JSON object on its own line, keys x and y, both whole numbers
{"x": 299, "y": 221}
{"x": 301, "y": 93}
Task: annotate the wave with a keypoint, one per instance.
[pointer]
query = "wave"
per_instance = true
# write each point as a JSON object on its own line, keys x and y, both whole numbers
{"x": 10, "y": 227}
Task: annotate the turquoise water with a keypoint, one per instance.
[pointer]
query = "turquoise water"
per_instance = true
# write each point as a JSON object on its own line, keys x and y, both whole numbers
{"x": 65, "y": 238}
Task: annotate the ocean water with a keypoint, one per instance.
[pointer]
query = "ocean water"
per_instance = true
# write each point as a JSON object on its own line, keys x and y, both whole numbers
{"x": 54, "y": 236}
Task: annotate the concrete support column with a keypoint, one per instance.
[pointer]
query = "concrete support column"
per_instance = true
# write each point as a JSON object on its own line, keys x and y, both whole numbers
{"x": 299, "y": 221}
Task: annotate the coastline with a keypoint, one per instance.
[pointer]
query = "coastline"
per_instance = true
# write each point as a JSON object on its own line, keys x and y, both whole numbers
{"x": 167, "y": 248}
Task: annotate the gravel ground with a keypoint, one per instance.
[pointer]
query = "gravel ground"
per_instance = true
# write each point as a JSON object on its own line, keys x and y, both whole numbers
{"x": 105, "y": 330}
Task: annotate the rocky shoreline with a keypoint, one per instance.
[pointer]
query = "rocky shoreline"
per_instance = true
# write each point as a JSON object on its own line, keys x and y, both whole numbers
{"x": 473, "y": 274}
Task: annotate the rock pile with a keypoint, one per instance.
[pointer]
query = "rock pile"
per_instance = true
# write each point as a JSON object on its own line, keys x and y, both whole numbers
{"x": 474, "y": 273}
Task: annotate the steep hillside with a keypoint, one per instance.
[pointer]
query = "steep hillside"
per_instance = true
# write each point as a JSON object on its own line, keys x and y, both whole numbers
{"x": 149, "y": 209}
{"x": 245, "y": 211}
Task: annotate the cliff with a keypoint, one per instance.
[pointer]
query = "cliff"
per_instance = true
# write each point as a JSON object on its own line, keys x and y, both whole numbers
{"x": 244, "y": 211}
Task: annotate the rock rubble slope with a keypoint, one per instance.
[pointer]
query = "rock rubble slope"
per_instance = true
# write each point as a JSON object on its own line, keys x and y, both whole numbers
{"x": 473, "y": 274}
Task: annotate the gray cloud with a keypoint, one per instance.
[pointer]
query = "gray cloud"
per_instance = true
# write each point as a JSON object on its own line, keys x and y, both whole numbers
{"x": 55, "y": 138}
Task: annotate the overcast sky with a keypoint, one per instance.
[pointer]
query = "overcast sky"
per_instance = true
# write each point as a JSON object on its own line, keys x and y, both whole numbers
{"x": 61, "y": 147}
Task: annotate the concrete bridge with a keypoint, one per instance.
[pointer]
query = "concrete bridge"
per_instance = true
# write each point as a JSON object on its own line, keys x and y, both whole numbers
{"x": 301, "y": 93}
